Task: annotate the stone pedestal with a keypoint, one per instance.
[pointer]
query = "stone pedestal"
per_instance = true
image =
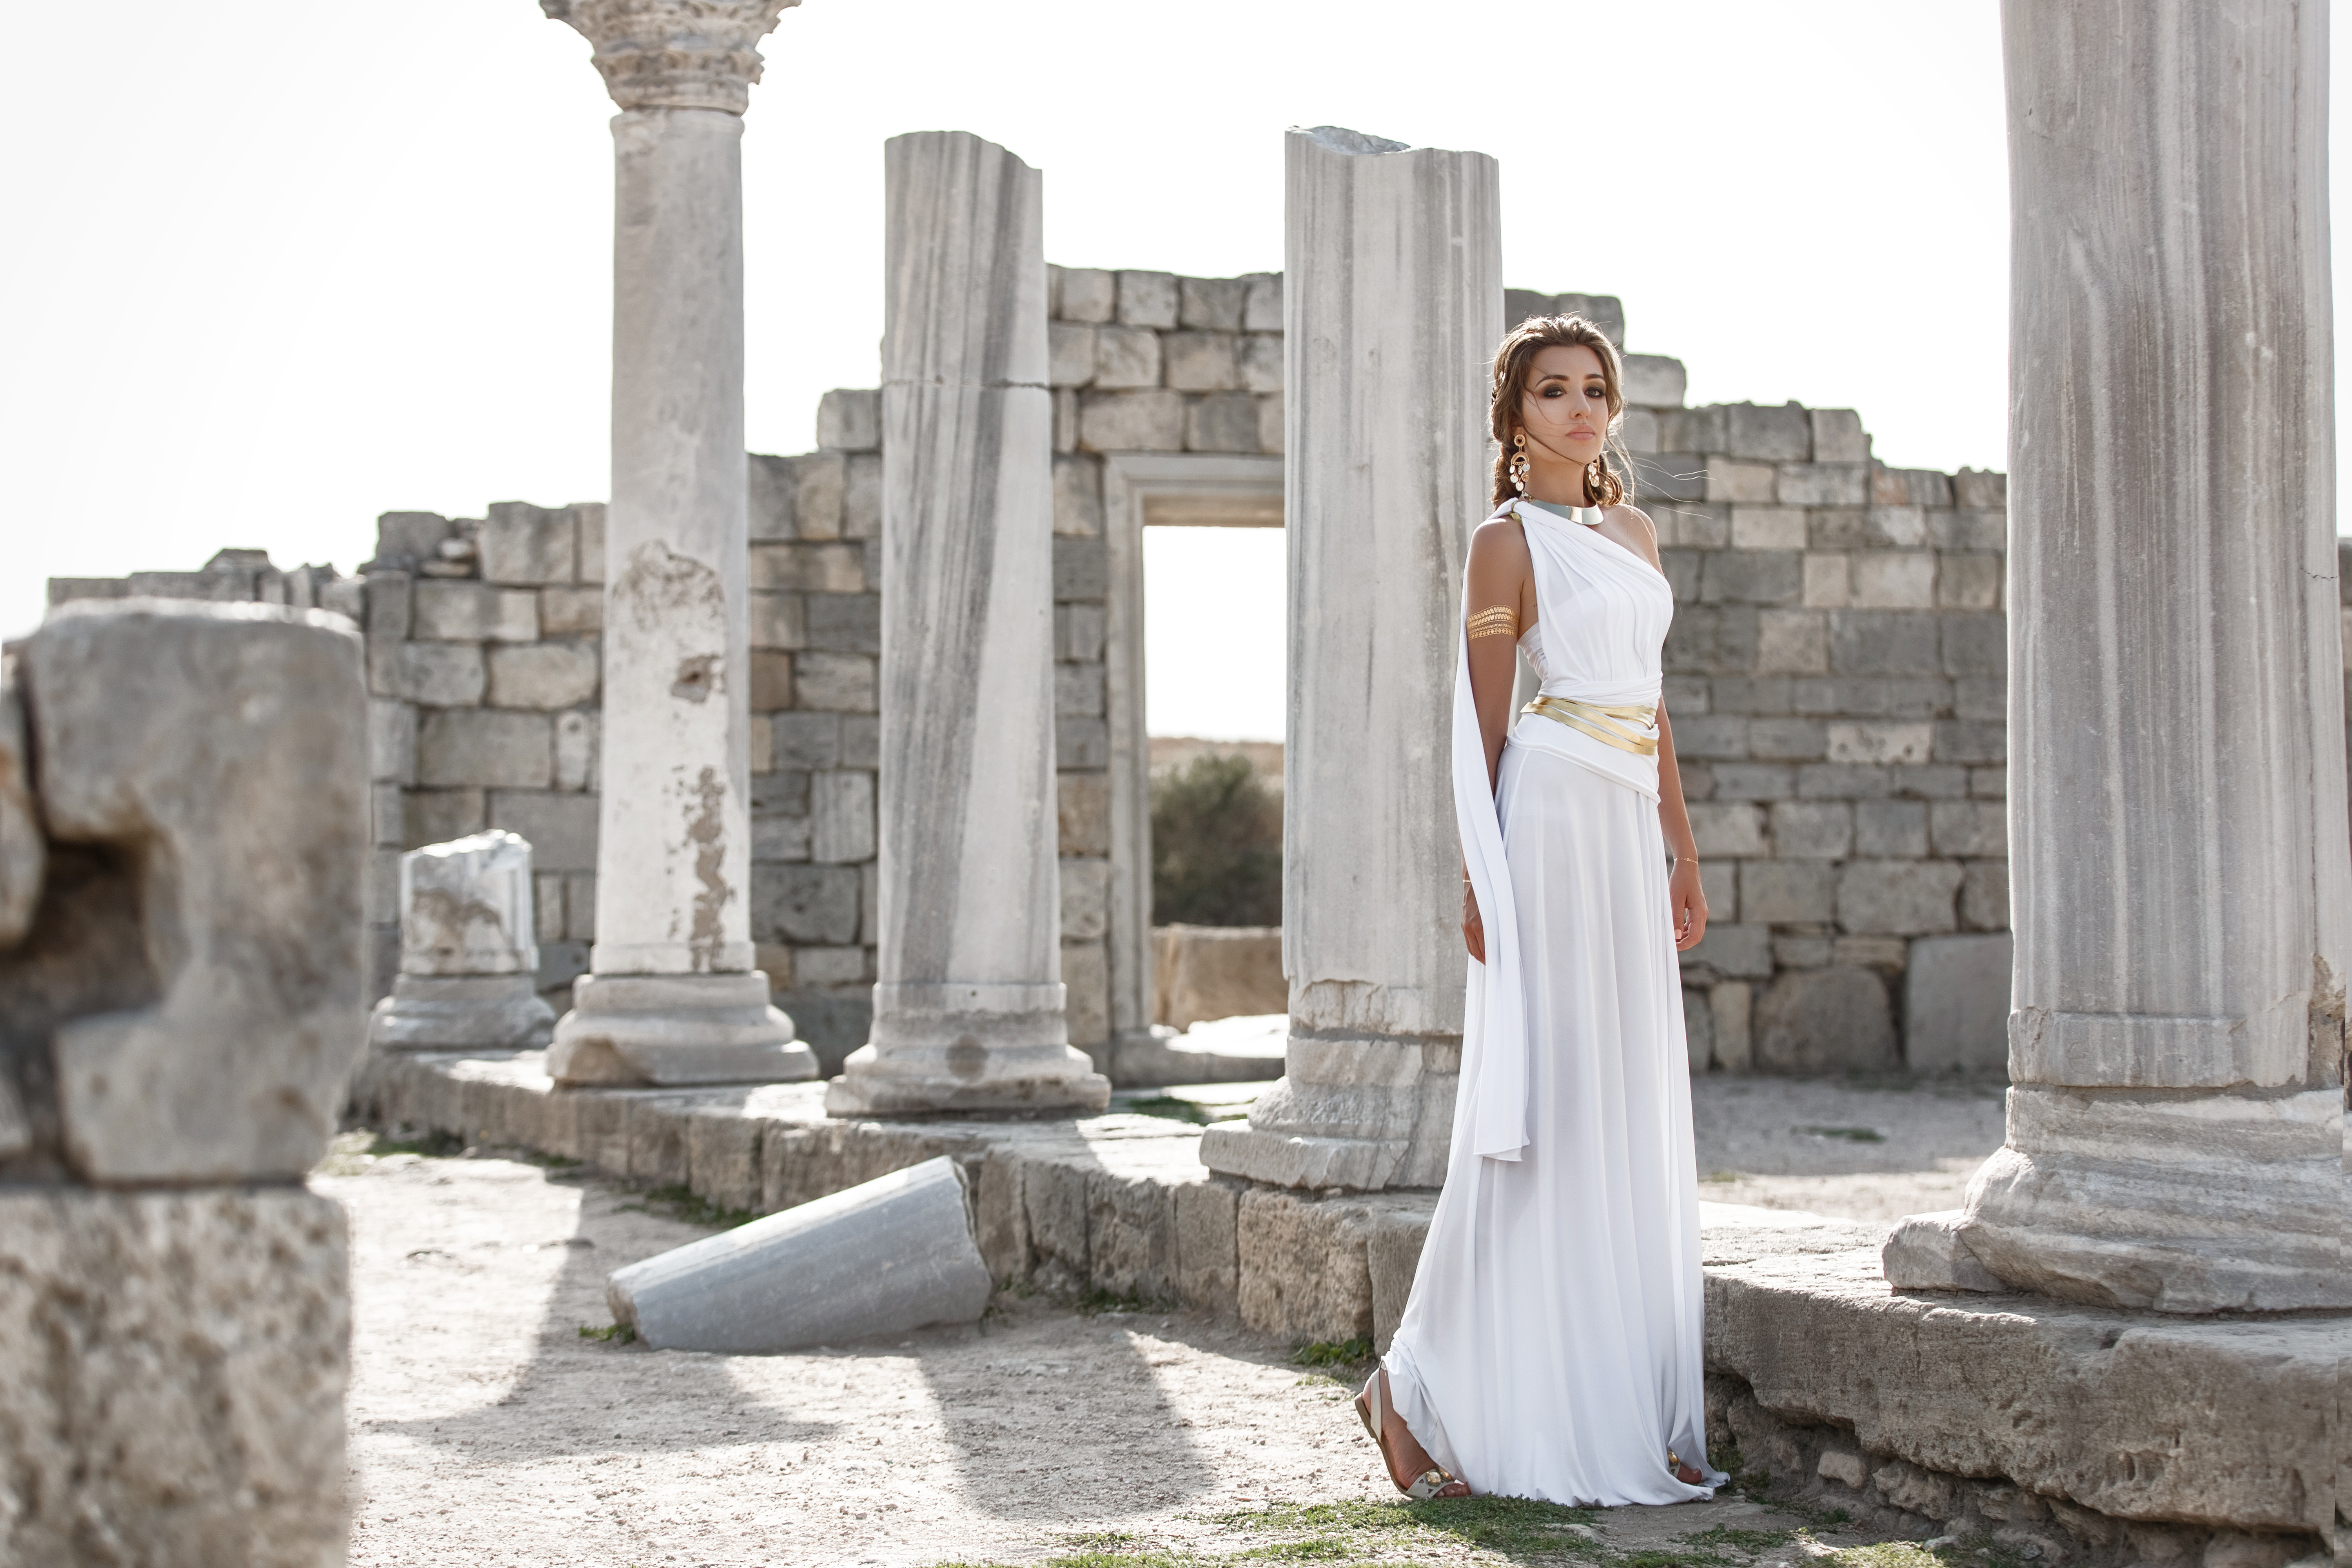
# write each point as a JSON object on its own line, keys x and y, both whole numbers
{"x": 672, "y": 871}
{"x": 468, "y": 967}
{"x": 968, "y": 1009}
{"x": 1392, "y": 306}
{"x": 2181, "y": 883}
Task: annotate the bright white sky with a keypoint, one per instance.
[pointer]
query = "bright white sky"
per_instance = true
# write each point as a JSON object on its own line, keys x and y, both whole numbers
{"x": 283, "y": 265}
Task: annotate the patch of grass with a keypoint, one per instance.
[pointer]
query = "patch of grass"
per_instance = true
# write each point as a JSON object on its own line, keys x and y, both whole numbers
{"x": 1670, "y": 1557}
{"x": 1743, "y": 1540}
{"x": 1849, "y": 1134}
{"x": 550, "y": 1162}
{"x": 1095, "y": 1300}
{"x": 1721, "y": 1176}
{"x": 1512, "y": 1526}
{"x": 1334, "y": 1353}
{"x": 431, "y": 1145}
{"x": 1886, "y": 1554}
{"x": 610, "y": 1333}
{"x": 1316, "y": 1549}
{"x": 682, "y": 1201}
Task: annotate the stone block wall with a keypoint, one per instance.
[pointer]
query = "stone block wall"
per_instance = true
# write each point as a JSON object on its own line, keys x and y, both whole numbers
{"x": 1836, "y": 677}
{"x": 1836, "y": 682}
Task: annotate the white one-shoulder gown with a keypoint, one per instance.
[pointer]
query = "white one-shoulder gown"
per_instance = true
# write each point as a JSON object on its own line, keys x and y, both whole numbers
{"x": 1551, "y": 1346}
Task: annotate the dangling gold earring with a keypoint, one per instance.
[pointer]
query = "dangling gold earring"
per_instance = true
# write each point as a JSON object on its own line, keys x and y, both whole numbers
{"x": 1593, "y": 473}
{"x": 1520, "y": 462}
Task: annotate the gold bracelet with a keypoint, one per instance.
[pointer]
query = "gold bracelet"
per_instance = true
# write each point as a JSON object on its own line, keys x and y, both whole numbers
{"x": 1501, "y": 621}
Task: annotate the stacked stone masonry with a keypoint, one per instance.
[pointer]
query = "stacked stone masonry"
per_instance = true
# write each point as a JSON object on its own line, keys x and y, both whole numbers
{"x": 1836, "y": 677}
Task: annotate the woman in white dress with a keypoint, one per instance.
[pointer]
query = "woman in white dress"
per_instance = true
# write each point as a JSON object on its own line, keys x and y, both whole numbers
{"x": 1552, "y": 1347}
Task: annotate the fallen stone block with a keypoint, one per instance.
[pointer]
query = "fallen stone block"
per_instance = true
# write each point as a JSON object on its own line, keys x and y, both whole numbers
{"x": 1927, "y": 1252}
{"x": 468, "y": 965}
{"x": 894, "y": 1254}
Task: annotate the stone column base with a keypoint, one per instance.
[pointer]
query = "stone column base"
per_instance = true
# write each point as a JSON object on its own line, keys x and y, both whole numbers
{"x": 461, "y": 1012}
{"x": 676, "y": 1029}
{"x": 2164, "y": 1200}
{"x": 971, "y": 1048}
{"x": 1364, "y": 1114}
{"x": 1022, "y": 1082}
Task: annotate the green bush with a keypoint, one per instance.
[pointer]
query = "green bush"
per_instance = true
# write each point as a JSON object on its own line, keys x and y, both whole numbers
{"x": 1216, "y": 846}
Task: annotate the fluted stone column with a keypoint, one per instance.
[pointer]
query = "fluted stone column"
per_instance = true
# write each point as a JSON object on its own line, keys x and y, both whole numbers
{"x": 968, "y": 1009}
{"x": 1392, "y": 306}
{"x": 672, "y": 996}
{"x": 2180, "y": 877}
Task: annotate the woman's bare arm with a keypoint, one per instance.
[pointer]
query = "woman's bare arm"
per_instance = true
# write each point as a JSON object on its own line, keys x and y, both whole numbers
{"x": 1502, "y": 605}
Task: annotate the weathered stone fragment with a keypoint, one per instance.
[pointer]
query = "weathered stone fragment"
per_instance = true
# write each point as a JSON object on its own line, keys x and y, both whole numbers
{"x": 22, "y": 851}
{"x": 221, "y": 754}
{"x": 172, "y": 1376}
{"x": 890, "y": 1255}
{"x": 468, "y": 963}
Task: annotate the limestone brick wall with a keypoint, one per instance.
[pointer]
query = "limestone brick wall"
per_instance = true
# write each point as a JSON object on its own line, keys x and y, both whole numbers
{"x": 1836, "y": 681}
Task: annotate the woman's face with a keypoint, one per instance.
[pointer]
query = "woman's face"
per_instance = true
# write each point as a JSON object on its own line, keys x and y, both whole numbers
{"x": 1565, "y": 405}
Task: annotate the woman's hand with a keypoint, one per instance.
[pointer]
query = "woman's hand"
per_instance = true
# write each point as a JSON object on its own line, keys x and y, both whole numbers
{"x": 1474, "y": 930}
{"x": 1687, "y": 904}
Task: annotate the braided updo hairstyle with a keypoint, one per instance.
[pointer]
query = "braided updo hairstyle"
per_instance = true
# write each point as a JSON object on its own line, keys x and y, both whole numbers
{"x": 1606, "y": 483}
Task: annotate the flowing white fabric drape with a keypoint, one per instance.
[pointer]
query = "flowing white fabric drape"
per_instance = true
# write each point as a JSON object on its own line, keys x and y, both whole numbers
{"x": 1552, "y": 1345}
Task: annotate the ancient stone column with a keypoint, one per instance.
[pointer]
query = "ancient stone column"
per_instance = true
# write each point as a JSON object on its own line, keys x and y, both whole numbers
{"x": 2180, "y": 877}
{"x": 968, "y": 1006}
{"x": 1392, "y": 305}
{"x": 672, "y": 996}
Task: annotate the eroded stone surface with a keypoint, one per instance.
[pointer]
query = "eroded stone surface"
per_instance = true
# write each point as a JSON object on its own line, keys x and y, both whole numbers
{"x": 2133, "y": 1415}
{"x": 171, "y": 1375}
{"x": 216, "y": 757}
{"x": 21, "y": 849}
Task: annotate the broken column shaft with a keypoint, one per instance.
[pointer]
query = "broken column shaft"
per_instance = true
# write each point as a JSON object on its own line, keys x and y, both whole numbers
{"x": 1392, "y": 306}
{"x": 968, "y": 1007}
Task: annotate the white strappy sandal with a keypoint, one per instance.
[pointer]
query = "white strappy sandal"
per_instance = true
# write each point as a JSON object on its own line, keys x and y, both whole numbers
{"x": 1432, "y": 1481}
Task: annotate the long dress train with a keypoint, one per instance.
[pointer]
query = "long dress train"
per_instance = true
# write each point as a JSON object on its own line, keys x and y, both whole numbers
{"x": 1552, "y": 1347}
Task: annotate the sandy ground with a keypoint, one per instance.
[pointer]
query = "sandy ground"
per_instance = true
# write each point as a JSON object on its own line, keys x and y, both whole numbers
{"x": 485, "y": 1430}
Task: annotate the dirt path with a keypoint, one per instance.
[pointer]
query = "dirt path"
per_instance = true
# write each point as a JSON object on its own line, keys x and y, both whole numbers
{"x": 485, "y": 1430}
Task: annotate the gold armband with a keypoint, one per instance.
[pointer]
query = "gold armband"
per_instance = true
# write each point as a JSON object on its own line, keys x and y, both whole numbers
{"x": 1499, "y": 622}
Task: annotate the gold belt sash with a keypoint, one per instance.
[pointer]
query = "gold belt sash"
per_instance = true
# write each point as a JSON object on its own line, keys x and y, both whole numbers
{"x": 1606, "y": 725}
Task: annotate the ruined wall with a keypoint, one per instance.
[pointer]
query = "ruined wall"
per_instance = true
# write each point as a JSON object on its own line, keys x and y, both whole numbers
{"x": 1836, "y": 677}
{"x": 1836, "y": 680}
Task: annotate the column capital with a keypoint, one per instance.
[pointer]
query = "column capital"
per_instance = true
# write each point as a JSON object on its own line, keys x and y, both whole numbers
{"x": 675, "y": 53}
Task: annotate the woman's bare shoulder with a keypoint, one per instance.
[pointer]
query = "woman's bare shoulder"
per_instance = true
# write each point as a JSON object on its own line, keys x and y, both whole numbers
{"x": 1500, "y": 540}
{"x": 1637, "y": 522}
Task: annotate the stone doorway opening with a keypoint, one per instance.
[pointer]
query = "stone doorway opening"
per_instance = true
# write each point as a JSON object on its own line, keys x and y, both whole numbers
{"x": 1190, "y": 491}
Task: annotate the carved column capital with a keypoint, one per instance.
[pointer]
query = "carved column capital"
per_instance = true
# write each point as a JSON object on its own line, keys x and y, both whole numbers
{"x": 675, "y": 53}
